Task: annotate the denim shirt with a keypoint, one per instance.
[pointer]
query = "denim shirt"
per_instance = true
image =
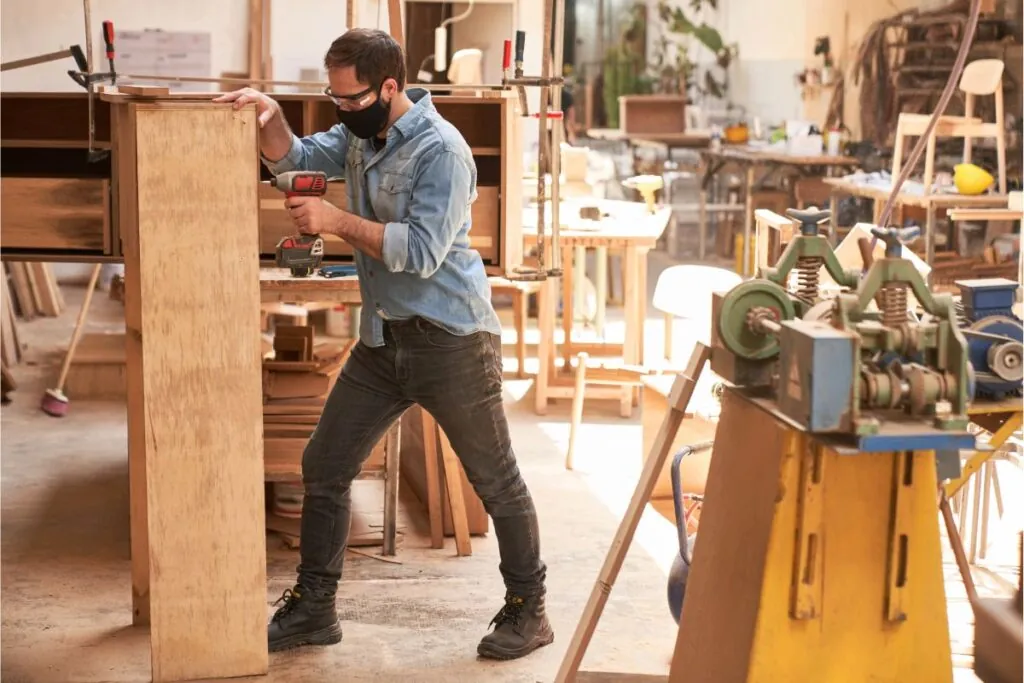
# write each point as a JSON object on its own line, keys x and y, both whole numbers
{"x": 420, "y": 185}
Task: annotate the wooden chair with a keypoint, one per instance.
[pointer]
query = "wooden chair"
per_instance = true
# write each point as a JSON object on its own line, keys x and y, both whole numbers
{"x": 681, "y": 291}
{"x": 982, "y": 77}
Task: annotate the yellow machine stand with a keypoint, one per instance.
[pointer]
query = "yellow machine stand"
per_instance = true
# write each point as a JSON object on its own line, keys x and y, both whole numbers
{"x": 812, "y": 564}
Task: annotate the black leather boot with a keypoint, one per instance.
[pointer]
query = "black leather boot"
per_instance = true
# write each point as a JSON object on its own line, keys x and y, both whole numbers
{"x": 520, "y": 627}
{"x": 305, "y": 618}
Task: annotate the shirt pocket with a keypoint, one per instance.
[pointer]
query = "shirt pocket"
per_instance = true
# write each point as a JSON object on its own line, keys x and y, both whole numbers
{"x": 393, "y": 196}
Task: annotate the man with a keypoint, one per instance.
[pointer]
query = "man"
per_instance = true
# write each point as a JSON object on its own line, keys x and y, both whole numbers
{"x": 568, "y": 117}
{"x": 428, "y": 335}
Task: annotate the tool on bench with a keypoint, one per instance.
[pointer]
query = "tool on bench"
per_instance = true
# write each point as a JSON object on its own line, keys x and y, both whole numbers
{"x": 343, "y": 270}
{"x": 301, "y": 254}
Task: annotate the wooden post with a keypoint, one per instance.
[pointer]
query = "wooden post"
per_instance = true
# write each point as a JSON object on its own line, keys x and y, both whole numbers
{"x": 188, "y": 213}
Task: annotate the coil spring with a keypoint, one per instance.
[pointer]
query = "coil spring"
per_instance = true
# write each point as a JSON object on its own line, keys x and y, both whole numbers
{"x": 894, "y": 311}
{"x": 807, "y": 272}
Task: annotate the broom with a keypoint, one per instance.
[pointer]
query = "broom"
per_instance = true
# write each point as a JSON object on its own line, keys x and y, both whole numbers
{"x": 54, "y": 402}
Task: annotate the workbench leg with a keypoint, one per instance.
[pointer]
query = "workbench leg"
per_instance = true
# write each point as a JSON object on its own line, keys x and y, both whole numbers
{"x": 748, "y": 222}
{"x": 579, "y": 290}
{"x": 546, "y": 344}
{"x": 632, "y": 280}
{"x": 601, "y": 285}
{"x": 392, "y": 449}
{"x": 702, "y": 223}
{"x": 568, "y": 312}
{"x": 929, "y": 238}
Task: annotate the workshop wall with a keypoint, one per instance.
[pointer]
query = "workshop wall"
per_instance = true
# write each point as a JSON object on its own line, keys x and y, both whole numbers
{"x": 301, "y": 30}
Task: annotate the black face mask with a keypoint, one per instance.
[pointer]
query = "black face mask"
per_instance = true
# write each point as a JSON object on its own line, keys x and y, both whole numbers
{"x": 367, "y": 122}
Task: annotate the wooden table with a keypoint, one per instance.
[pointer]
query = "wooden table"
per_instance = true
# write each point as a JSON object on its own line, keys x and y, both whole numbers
{"x": 751, "y": 159}
{"x": 931, "y": 203}
{"x": 627, "y": 226}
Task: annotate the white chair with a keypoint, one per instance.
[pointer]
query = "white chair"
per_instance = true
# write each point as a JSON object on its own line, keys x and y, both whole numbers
{"x": 681, "y": 292}
{"x": 982, "y": 77}
{"x": 685, "y": 292}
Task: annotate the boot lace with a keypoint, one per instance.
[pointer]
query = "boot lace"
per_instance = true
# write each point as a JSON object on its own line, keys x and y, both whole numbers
{"x": 288, "y": 601}
{"x": 511, "y": 612}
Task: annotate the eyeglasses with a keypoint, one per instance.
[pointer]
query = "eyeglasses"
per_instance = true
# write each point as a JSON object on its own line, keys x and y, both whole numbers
{"x": 350, "y": 102}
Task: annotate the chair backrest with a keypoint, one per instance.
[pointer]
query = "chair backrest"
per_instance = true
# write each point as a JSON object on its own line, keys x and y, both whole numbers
{"x": 982, "y": 76}
{"x": 685, "y": 291}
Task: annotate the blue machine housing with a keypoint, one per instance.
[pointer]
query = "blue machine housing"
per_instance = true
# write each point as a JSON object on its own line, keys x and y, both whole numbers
{"x": 988, "y": 309}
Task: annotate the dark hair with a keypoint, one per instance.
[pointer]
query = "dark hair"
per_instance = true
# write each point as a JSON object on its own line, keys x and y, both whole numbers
{"x": 374, "y": 54}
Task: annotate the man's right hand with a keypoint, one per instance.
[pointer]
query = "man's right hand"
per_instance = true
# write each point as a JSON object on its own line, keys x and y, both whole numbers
{"x": 266, "y": 107}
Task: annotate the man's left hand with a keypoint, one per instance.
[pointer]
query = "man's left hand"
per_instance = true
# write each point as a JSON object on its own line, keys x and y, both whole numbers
{"x": 312, "y": 215}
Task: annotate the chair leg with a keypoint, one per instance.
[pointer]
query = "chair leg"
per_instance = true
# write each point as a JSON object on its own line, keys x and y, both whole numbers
{"x": 897, "y": 151}
{"x": 1001, "y": 161}
{"x": 577, "y": 407}
{"x": 929, "y": 164}
{"x": 669, "y": 324}
{"x": 519, "y": 302}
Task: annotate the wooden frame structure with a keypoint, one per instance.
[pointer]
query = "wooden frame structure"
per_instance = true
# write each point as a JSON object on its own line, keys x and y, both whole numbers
{"x": 59, "y": 207}
{"x": 195, "y": 432}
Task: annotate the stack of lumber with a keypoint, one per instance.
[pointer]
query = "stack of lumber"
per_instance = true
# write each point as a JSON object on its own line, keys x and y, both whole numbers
{"x": 34, "y": 290}
{"x": 297, "y": 377}
{"x": 296, "y": 381}
{"x": 29, "y": 291}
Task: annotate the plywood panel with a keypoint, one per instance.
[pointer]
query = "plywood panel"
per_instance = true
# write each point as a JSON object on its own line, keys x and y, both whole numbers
{"x": 67, "y": 214}
{"x": 195, "y": 414}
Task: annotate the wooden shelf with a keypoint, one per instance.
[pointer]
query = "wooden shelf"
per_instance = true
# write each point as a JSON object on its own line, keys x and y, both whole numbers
{"x": 46, "y": 136}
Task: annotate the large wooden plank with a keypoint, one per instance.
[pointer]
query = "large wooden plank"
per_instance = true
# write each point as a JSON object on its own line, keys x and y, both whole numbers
{"x": 192, "y": 308}
{"x": 66, "y": 214}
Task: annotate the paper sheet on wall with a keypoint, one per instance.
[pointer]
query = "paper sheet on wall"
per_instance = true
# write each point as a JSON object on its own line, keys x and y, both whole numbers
{"x": 153, "y": 52}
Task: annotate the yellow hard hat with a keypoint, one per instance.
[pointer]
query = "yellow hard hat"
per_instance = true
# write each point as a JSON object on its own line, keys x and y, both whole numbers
{"x": 971, "y": 179}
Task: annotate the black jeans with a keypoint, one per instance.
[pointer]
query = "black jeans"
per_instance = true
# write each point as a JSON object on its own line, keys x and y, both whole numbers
{"x": 458, "y": 381}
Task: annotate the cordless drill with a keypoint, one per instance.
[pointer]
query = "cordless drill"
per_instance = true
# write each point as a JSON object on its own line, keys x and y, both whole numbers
{"x": 301, "y": 254}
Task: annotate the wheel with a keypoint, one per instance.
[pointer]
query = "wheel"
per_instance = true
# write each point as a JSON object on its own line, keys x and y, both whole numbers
{"x": 738, "y": 303}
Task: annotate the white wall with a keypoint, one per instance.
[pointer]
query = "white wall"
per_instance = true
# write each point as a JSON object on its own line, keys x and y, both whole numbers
{"x": 486, "y": 28}
{"x": 301, "y": 31}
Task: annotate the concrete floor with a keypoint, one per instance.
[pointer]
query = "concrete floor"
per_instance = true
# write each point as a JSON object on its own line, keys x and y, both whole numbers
{"x": 66, "y": 584}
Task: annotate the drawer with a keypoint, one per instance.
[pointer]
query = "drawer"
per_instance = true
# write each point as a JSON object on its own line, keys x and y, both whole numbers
{"x": 70, "y": 215}
{"x": 275, "y": 223}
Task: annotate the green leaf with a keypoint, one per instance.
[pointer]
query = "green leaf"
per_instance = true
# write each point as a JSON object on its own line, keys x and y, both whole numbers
{"x": 711, "y": 38}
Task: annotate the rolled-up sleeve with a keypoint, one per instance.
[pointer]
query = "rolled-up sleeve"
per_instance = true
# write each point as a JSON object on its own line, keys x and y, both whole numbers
{"x": 324, "y": 151}
{"x": 438, "y": 207}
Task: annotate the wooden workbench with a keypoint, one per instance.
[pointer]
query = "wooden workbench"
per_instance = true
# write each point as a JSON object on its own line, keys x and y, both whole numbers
{"x": 931, "y": 203}
{"x": 627, "y": 226}
{"x": 752, "y": 159}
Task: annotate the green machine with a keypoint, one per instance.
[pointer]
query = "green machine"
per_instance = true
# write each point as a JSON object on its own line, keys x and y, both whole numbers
{"x": 804, "y": 256}
{"x": 877, "y": 378}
